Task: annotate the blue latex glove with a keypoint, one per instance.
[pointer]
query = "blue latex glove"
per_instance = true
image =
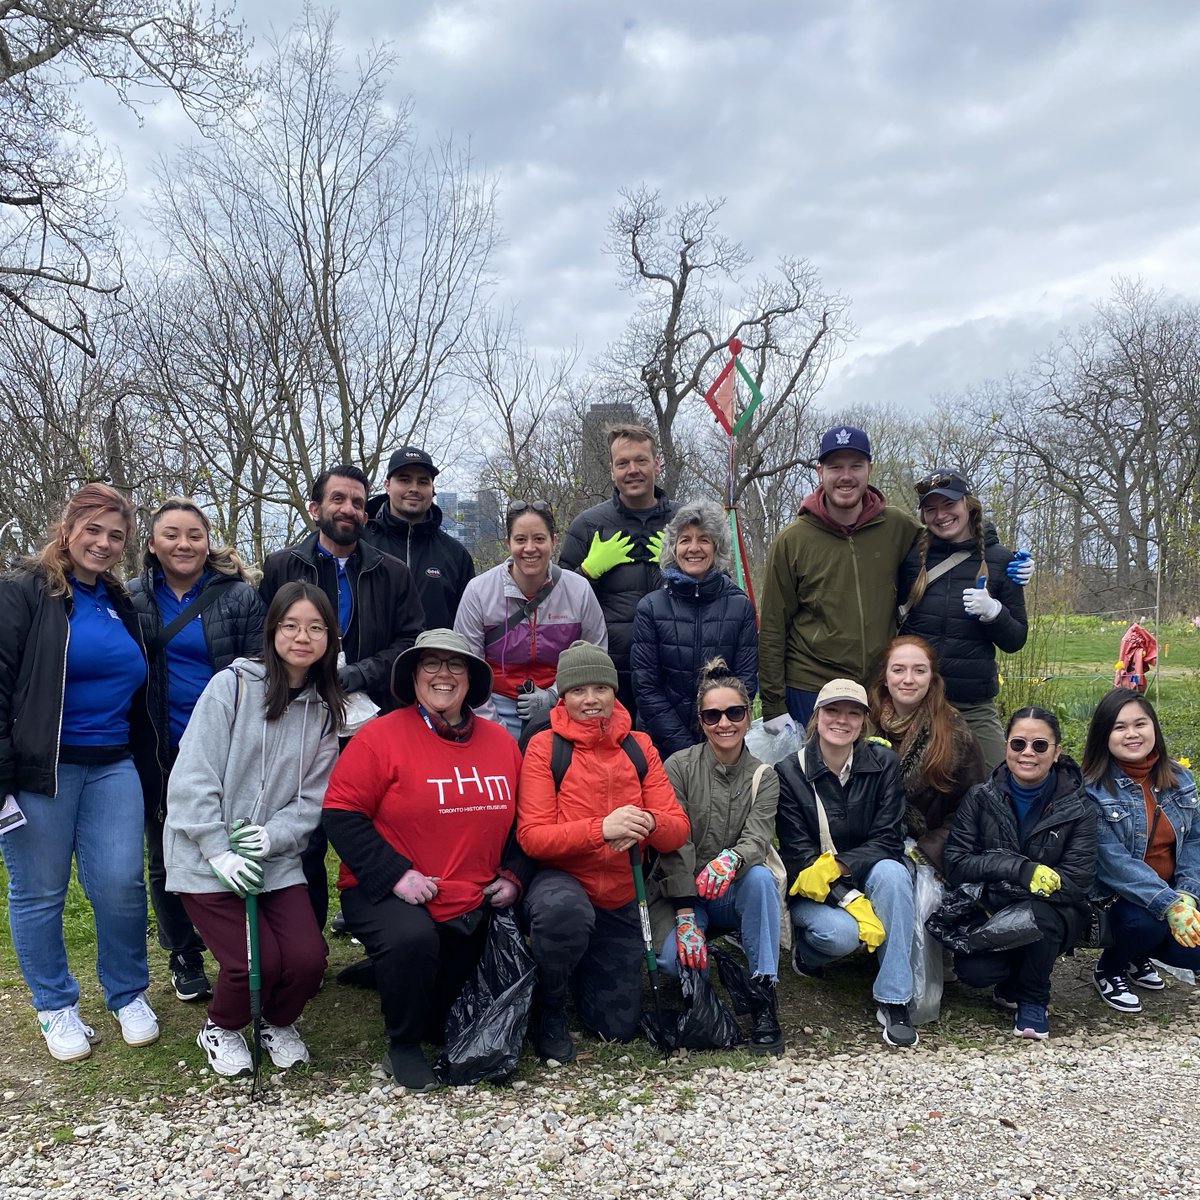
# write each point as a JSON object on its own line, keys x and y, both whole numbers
{"x": 1020, "y": 568}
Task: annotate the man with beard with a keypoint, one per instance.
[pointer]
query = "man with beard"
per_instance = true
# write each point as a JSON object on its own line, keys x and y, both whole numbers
{"x": 379, "y": 611}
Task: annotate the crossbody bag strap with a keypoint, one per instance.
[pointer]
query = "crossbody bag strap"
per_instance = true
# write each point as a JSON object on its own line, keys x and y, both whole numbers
{"x": 947, "y": 564}
{"x": 827, "y": 846}
{"x": 526, "y": 610}
{"x": 205, "y": 600}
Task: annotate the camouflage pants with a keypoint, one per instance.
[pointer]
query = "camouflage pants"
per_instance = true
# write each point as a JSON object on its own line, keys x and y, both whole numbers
{"x": 595, "y": 952}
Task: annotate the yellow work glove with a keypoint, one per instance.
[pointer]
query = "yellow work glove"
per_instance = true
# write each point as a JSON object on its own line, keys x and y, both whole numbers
{"x": 604, "y": 554}
{"x": 1184, "y": 921}
{"x": 1045, "y": 881}
{"x": 813, "y": 882}
{"x": 654, "y": 546}
{"x": 870, "y": 929}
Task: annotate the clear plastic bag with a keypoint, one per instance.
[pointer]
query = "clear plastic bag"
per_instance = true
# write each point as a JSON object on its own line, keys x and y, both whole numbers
{"x": 772, "y": 748}
{"x": 926, "y": 949}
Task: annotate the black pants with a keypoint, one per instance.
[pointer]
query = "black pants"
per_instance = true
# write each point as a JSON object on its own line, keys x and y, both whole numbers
{"x": 312, "y": 861}
{"x": 176, "y": 932}
{"x": 596, "y": 953}
{"x": 420, "y": 964}
{"x": 1138, "y": 935}
{"x": 1024, "y": 973}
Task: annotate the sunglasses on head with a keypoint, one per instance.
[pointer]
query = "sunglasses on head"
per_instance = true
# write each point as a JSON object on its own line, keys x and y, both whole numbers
{"x": 942, "y": 479}
{"x": 734, "y": 713}
{"x": 520, "y": 506}
{"x": 1037, "y": 745}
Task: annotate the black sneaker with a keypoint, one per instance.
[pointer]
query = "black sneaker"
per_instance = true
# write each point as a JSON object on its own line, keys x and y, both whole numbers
{"x": 1142, "y": 974}
{"x": 337, "y": 923}
{"x": 1115, "y": 991}
{"x": 802, "y": 968}
{"x": 409, "y": 1067}
{"x": 897, "y": 1025}
{"x": 190, "y": 982}
{"x": 1002, "y": 998}
{"x": 551, "y": 1037}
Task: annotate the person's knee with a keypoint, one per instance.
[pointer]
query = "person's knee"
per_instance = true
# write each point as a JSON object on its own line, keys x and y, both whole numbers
{"x": 888, "y": 877}
{"x": 981, "y": 970}
{"x": 560, "y": 913}
{"x": 759, "y": 884}
{"x": 829, "y": 940}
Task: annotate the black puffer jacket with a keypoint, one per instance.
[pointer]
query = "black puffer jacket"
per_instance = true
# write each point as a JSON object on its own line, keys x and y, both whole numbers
{"x": 620, "y": 589}
{"x": 440, "y": 566}
{"x": 233, "y": 628}
{"x": 865, "y": 816}
{"x": 33, "y": 664}
{"x": 386, "y": 615}
{"x": 676, "y": 630}
{"x": 966, "y": 646}
{"x": 985, "y": 846}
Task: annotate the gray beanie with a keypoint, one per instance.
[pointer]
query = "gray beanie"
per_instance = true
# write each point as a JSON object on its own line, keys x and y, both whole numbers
{"x": 581, "y": 663}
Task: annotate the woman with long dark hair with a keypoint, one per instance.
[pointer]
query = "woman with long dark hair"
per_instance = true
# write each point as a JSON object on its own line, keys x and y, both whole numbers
{"x": 939, "y": 756}
{"x": 244, "y": 795}
{"x": 1028, "y": 835}
{"x": 1148, "y": 859}
{"x": 199, "y": 612}
{"x": 72, "y": 678}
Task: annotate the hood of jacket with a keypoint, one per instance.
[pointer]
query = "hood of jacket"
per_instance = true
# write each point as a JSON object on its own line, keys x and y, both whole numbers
{"x": 708, "y": 587}
{"x": 1068, "y": 783}
{"x": 607, "y": 731}
{"x": 873, "y": 504}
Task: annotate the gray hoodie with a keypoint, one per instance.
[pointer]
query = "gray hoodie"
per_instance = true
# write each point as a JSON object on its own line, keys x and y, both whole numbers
{"x": 234, "y": 763}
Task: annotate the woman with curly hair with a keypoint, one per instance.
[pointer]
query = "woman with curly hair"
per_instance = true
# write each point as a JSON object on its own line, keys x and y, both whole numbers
{"x": 939, "y": 756}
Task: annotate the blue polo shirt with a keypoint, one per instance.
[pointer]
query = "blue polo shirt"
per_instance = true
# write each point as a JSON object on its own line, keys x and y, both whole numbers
{"x": 188, "y": 666}
{"x": 105, "y": 667}
{"x": 345, "y": 598}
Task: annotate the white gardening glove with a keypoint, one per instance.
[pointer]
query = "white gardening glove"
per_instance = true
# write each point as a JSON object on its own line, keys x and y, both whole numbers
{"x": 242, "y": 876}
{"x": 979, "y": 602}
{"x": 250, "y": 841}
{"x": 778, "y": 724}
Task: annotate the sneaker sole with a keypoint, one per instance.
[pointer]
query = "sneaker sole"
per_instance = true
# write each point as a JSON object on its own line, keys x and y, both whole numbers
{"x": 1031, "y": 1035}
{"x": 1147, "y": 987}
{"x": 60, "y": 1056}
{"x": 1007, "y": 1005}
{"x": 191, "y": 997}
{"x": 148, "y": 1040}
{"x": 897, "y": 1045}
{"x": 240, "y": 1073}
{"x": 1116, "y": 1006}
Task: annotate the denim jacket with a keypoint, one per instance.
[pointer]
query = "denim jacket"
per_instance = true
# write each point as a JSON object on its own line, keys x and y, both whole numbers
{"x": 1120, "y": 864}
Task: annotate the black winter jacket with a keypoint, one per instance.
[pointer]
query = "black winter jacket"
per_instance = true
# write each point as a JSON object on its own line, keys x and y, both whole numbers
{"x": 233, "y": 628}
{"x": 676, "y": 630}
{"x": 865, "y": 816}
{"x": 984, "y": 845}
{"x": 385, "y": 618}
{"x": 33, "y": 664}
{"x": 966, "y": 646}
{"x": 620, "y": 589}
{"x": 440, "y": 566}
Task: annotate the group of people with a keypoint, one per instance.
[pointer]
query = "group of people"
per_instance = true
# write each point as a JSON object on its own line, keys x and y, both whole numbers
{"x": 469, "y": 743}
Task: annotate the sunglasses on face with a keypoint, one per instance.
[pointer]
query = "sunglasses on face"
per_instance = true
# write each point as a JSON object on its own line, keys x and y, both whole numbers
{"x": 734, "y": 713}
{"x": 1038, "y": 745}
{"x": 942, "y": 479}
{"x": 520, "y": 506}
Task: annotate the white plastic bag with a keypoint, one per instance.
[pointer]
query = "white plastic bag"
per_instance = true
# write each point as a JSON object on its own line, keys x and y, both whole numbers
{"x": 360, "y": 708}
{"x": 772, "y": 748}
{"x": 926, "y": 954}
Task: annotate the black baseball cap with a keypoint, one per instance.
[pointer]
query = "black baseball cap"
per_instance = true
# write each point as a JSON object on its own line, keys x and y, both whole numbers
{"x": 844, "y": 437}
{"x": 410, "y": 456}
{"x": 943, "y": 481}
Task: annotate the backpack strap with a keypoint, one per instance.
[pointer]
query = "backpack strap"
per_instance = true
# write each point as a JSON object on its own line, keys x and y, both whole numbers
{"x": 947, "y": 564}
{"x": 562, "y": 749}
{"x": 634, "y": 753}
{"x": 208, "y": 597}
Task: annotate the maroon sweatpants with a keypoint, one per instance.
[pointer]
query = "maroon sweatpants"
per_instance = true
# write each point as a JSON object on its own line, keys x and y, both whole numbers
{"x": 291, "y": 950}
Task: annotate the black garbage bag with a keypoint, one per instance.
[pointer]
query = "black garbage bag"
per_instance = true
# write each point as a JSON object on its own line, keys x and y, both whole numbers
{"x": 734, "y": 978}
{"x": 1013, "y": 926}
{"x": 704, "y": 1024}
{"x": 959, "y": 911}
{"x": 963, "y": 926}
{"x": 485, "y": 1026}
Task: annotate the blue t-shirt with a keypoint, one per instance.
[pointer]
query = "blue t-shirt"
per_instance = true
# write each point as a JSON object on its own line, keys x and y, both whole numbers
{"x": 105, "y": 667}
{"x": 188, "y": 666}
{"x": 345, "y": 598}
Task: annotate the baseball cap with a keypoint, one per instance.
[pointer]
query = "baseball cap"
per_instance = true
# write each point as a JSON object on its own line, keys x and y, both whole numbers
{"x": 944, "y": 481}
{"x": 844, "y": 437}
{"x": 410, "y": 456}
{"x": 842, "y": 689}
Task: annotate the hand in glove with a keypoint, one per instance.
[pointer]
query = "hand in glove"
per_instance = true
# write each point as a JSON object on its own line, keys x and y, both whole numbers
{"x": 1184, "y": 922}
{"x": 242, "y": 876}
{"x": 713, "y": 880}
{"x": 502, "y": 892}
{"x": 689, "y": 941}
{"x": 1045, "y": 881}
{"x": 870, "y": 928}
{"x": 815, "y": 879}
{"x": 533, "y": 704}
{"x": 414, "y": 888}
{"x": 979, "y": 602}
{"x": 604, "y": 554}
{"x": 654, "y": 546}
{"x": 778, "y": 724}
{"x": 250, "y": 841}
{"x": 1020, "y": 568}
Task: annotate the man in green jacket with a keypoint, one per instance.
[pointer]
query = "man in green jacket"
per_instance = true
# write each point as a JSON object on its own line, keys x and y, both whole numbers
{"x": 829, "y": 598}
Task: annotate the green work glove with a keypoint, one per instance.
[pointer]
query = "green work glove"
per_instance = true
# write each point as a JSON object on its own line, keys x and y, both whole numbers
{"x": 250, "y": 841}
{"x": 242, "y": 876}
{"x": 870, "y": 929}
{"x": 604, "y": 554}
{"x": 815, "y": 879}
{"x": 689, "y": 941}
{"x": 1045, "y": 881}
{"x": 654, "y": 546}
{"x": 1184, "y": 921}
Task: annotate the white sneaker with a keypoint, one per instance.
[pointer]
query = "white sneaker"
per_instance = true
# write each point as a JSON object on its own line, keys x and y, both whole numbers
{"x": 284, "y": 1045}
{"x": 91, "y": 1035}
{"x": 66, "y": 1035}
{"x": 227, "y": 1051}
{"x": 139, "y": 1025}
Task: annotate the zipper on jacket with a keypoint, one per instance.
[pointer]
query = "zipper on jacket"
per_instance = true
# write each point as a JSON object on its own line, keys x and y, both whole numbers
{"x": 862, "y": 621}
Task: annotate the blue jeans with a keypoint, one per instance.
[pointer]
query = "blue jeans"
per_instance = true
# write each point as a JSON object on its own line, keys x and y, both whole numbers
{"x": 506, "y": 713}
{"x": 751, "y": 906}
{"x": 97, "y": 816}
{"x": 800, "y": 705}
{"x": 824, "y": 933}
{"x": 1138, "y": 934}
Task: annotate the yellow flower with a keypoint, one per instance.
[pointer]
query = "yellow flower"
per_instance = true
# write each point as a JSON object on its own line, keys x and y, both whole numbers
{"x": 1184, "y": 761}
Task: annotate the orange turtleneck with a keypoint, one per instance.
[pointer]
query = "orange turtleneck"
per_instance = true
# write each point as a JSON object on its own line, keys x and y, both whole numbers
{"x": 1160, "y": 848}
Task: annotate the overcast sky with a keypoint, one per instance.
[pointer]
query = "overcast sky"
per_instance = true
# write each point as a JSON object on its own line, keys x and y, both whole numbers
{"x": 971, "y": 175}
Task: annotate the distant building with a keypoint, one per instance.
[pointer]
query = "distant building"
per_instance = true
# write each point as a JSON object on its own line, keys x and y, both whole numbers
{"x": 597, "y": 481}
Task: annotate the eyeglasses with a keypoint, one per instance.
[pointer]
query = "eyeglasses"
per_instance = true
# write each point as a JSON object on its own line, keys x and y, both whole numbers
{"x": 431, "y": 666}
{"x": 943, "y": 479}
{"x": 1038, "y": 745}
{"x": 734, "y": 713}
{"x": 291, "y": 629}
{"x": 520, "y": 506}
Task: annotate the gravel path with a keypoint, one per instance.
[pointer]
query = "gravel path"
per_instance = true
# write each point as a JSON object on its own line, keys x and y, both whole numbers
{"x": 1074, "y": 1117}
